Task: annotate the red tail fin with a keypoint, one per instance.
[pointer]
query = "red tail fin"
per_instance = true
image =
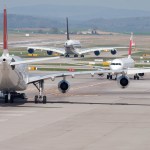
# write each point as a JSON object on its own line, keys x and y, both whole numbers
{"x": 130, "y": 45}
{"x": 5, "y": 38}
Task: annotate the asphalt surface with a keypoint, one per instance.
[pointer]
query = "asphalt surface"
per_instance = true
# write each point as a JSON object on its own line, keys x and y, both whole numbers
{"x": 95, "y": 114}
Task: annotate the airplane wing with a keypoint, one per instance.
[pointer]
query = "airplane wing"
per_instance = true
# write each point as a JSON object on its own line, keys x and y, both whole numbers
{"x": 32, "y": 61}
{"x": 88, "y": 50}
{"x": 138, "y": 70}
{"x": 52, "y": 76}
{"x": 53, "y": 49}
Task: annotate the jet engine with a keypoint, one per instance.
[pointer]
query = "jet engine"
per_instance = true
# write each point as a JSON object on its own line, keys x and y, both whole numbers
{"x": 141, "y": 74}
{"x": 49, "y": 52}
{"x": 113, "y": 51}
{"x": 63, "y": 86}
{"x": 97, "y": 53}
{"x": 31, "y": 50}
{"x": 123, "y": 81}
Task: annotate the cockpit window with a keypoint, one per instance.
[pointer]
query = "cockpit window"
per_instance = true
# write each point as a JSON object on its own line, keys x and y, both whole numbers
{"x": 117, "y": 64}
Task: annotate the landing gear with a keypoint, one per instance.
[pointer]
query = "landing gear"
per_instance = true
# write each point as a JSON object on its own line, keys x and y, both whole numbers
{"x": 67, "y": 55}
{"x": 109, "y": 76}
{"x": 75, "y": 55}
{"x": 82, "y": 55}
{"x": 6, "y": 98}
{"x": 40, "y": 98}
{"x": 9, "y": 97}
{"x": 136, "y": 77}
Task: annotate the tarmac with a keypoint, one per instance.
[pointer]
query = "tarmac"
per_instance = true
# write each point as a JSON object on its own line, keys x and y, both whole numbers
{"x": 95, "y": 114}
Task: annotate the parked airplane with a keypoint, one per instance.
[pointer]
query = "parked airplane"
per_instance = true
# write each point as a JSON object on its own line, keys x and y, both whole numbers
{"x": 73, "y": 47}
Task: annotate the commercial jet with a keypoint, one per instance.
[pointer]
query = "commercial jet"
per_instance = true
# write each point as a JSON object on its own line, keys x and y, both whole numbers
{"x": 125, "y": 66}
{"x": 73, "y": 47}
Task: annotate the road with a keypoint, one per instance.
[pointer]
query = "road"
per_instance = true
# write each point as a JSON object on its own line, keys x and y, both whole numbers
{"x": 95, "y": 114}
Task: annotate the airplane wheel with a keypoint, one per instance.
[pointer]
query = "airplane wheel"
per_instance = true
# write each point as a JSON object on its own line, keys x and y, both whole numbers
{"x": 134, "y": 77}
{"x": 107, "y": 76}
{"x": 11, "y": 98}
{"x": 23, "y": 96}
{"x": 82, "y": 56}
{"x": 110, "y": 77}
{"x": 6, "y": 98}
{"x": 138, "y": 78}
{"x": 67, "y": 55}
{"x": 75, "y": 55}
{"x": 36, "y": 99}
{"x": 44, "y": 99}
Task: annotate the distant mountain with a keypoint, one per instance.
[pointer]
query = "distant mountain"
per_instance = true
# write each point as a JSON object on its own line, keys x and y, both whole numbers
{"x": 135, "y": 24}
{"x": 22, "y": 21}
{"x": 76, "y": 12}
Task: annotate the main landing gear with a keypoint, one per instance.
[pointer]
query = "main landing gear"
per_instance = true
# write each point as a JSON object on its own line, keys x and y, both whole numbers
{"x": 109, "y": 76}
{"x": 9, "y": 97}
{"x": 40, "y": 98}
{"x": 136, "y": 77}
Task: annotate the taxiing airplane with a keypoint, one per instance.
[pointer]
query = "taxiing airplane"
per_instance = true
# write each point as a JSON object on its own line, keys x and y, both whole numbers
{"x": 125, "y": 66}
{"x": 73, "y": 47}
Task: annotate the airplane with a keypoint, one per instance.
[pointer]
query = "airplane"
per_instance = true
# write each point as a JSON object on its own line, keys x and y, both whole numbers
{"x": 124, "y": 63}
{"x": 123, "y": 67}
{"x": 73, "y": 47}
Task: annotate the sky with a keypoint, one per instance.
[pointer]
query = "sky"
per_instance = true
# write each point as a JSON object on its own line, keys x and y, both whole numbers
{"x": 120, "y": 4}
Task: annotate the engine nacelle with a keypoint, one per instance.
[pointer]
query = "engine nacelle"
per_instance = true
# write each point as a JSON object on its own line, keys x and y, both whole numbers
{"x": 49, "y": 52}
{"x": 97, "y": 53}
{"x": 113, "y": 51}
{"x": 63, "y": 86}
{"x": 31, "y": 50}
{"x": 123, "y": 81}
{"x": 141, "y": 74}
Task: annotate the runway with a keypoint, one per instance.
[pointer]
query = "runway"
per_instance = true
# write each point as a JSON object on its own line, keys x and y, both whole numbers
{"x": 95, "y": 114}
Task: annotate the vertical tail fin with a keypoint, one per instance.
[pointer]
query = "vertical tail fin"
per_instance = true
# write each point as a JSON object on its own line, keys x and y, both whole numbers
{"x": 5, "y": 36}
{"x": 68, "y": 38}
{"x": 131, "y": 45}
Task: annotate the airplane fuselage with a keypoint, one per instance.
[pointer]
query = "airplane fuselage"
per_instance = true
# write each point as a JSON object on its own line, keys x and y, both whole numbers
{"x": 71, "y": 46}
{"x": 123, "y": 63}
{"x": 12, "y": 78}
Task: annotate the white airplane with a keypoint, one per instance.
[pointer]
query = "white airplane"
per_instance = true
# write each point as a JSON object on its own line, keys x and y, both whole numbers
{"x": 73, "y": 47}
{"x": 123, "y": 67}
{"x": 14, "y": 76}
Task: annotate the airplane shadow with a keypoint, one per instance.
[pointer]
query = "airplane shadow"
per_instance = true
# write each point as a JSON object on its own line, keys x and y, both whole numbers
{"x": 99, "y": 103}
{"x": 21, "y": 103}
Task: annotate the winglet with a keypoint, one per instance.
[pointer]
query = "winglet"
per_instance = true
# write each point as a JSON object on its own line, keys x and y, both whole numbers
{"x": 130, "y": 45}
{"x": 68, "y": 38}
{"x": 5, "y": 36}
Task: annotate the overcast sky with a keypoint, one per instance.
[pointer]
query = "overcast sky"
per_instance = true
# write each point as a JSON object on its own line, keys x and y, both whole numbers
{"x": 125, "y": 4}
